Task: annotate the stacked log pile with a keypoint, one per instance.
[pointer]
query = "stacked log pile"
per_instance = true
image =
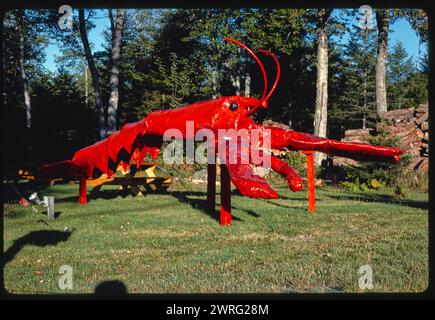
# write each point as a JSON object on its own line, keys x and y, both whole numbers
{"x": 410, "y": 125}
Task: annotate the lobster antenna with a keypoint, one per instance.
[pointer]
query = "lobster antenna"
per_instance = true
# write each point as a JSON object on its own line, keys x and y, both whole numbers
{"x": 256, "y": 59}
{"x": 278, "y": 72}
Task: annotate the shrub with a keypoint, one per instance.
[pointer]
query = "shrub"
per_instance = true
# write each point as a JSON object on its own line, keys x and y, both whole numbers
{"x": 375, "y": 175}
{"x": 297, "y": 161}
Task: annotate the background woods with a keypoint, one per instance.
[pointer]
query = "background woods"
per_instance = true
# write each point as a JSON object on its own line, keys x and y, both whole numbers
{"x": 336, "y": 75}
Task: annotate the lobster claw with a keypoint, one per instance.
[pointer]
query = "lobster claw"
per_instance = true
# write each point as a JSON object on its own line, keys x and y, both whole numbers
{"x": 243, "y": 177}
{"x": 248, "y": 183}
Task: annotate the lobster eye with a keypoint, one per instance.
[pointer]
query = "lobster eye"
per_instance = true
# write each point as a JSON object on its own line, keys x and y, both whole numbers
{"x": 233, "y": 106}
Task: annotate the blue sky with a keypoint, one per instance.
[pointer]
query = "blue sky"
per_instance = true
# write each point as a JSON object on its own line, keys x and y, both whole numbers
{"x": 400, "y": 31}
{"x": 95, "y": 37}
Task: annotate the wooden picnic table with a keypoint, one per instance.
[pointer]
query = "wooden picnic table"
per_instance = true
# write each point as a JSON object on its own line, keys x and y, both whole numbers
{"x": 134, "y": 178}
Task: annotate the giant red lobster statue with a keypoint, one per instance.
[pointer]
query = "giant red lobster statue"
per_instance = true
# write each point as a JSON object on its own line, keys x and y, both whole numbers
{"x": 135, "y": 140}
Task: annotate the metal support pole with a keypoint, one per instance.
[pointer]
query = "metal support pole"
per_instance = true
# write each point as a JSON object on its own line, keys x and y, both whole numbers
{"x": 49, "y": 202}
{"x": 82, "y": 191}
{"x": 225, "y": 214}
{"x": 310, "y": 180}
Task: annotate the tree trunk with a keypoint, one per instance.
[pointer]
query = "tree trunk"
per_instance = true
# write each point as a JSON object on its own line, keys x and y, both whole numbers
{"x": 321, "y": 112}
{"x": 26, "y": 93}
{"x": 94, "y": 75}
{"x": 365, "y": 101}
{"x": 86, "y": 86}
{"x": 383, "y": 22}
{"x": 237, "y": 79}
{"x": 117, "y": 29}
{"x": 214, "y": 81}
{"x": 247, "y": 85}
{"x": 236, "y": 84}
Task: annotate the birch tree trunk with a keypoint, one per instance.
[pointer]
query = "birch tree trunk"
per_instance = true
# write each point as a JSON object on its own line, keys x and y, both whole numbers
{"x": 117, "y": 29}
{"x": 247, "y": 85}
{"x": 86, "y": 86}
{"x": 26, "y": 93}
{"x": 94, "y": 75}
{"x": 236, "y": 84}
{"x": 383, "y": 22}
{"x": 214, "y": 84}
{"x": 321, "y": 112}
{"x": 237, "y": 79}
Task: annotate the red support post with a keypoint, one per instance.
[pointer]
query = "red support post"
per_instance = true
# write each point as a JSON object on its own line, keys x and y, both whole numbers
{"x": 211, "y": 187}
{"x": 310, "y": 180}
{"x": 82, "y": 191}
{"x": 225, "y": 214}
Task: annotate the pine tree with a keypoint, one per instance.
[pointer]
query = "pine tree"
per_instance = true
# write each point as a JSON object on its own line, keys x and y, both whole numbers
{"x": 354, "y": 100}
{"x": 400, "y": 67}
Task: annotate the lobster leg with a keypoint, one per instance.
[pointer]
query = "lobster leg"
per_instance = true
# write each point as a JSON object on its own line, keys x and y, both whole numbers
{"x": 284, "y": 169}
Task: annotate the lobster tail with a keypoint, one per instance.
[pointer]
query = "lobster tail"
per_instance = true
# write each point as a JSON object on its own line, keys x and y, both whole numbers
{"x": 60, "y": 169}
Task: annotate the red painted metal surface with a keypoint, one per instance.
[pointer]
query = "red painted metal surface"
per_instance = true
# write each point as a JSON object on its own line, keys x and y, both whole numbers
{"x": 83, "y": 199}
{"x": 225, "y": 214}
{"x": 135, "y": 140}
{"x": 310, "y": 181}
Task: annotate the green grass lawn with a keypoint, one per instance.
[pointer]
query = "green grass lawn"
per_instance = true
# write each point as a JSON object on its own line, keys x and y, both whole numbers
{"x": 165, "y": 243}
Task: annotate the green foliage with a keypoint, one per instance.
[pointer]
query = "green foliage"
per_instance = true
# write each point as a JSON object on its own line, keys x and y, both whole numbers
{"x": 375, "y": 184}
{"x": 357, "y": 185}
{"x": 173, "y": 80}
{"x": 376, "y": 175}
{"x": 352, "y": 78}
{"x": 407, "y": 86}
{"x": 297, "y": 161}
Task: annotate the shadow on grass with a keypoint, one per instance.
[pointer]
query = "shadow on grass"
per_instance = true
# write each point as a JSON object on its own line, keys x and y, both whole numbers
{"x": 381, "y": 199}
{"x": 302, "y": 209}
{"x": 188, "y": 197}
{"x": 40, "y": 238}
{"x": 111, "y": 288}
{"x": 281, "y": 197}
{"x": 102, "y": 194}
{"x": 201, "y": 204}
{"x": 25, "y": 188}
{"x": 196, "y": 199}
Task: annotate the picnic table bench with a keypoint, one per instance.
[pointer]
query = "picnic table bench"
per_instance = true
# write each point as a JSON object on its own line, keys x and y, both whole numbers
{"x": 132, "y": 179}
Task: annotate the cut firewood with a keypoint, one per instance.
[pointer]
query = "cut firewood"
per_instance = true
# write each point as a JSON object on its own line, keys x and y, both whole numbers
{"x": 399, "y": 115}
{"x": 425, "y": 126}
{"x": 420, "y": 133}
{"x": 421, "y": 119}
{"x": 357, "y": 132}
{"x": 422, "y": 108}
{"x": 423, "y": 165}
